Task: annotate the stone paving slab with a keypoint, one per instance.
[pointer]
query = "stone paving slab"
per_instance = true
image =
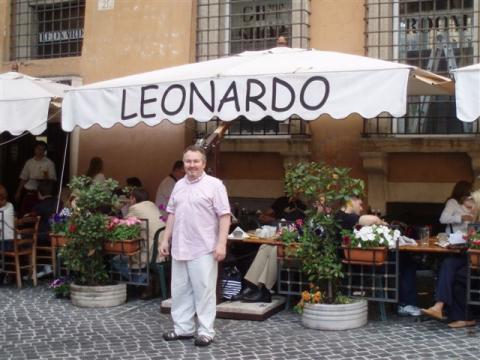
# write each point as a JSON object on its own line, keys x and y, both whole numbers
{"x": 35, "y": 325}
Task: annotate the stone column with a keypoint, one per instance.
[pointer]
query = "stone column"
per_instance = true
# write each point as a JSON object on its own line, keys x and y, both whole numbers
{"x": 376, "y": 165}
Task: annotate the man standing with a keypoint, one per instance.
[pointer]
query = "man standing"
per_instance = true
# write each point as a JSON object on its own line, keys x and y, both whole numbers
{"x": 37, "y": 168}
{"x": 198, "y": 223}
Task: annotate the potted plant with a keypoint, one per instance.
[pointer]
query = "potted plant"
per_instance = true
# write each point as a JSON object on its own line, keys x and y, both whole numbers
{"x": 368, "y": 245}
{"x": 123, "y": 236}
{"x": 84, "y": 253}
{"x": 58, "y": 228}
{"x": 326, "y": 188}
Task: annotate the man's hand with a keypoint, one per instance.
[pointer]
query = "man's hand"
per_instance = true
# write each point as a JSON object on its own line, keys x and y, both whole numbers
{"x": 165, "y": 247}
{"x": 220, "y": 252}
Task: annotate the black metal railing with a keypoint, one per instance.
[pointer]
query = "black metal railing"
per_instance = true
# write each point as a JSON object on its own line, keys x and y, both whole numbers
{"x": 415, "y": 125}
{"x": 294, "y": 127}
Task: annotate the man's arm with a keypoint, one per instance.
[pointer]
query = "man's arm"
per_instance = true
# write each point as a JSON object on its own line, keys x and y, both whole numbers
{"x": 167, "y": 234}
{"x": 223, "y": 227}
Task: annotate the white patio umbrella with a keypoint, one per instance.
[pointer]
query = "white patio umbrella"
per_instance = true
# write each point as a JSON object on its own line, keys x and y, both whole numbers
{"x": 279, "y": 82}
{"x": 25, "y": 102}
{"x": 467, "y": 92}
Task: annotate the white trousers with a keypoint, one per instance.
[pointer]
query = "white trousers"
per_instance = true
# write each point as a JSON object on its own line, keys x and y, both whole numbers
{"x": 194, "y": 284}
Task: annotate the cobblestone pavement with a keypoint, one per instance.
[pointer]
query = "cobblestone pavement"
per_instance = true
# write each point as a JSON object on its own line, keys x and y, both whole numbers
{"x": 34, "y": 325}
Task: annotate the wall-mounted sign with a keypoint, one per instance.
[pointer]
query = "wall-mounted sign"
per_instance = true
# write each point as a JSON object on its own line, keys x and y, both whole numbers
{"x": 103, "y": 5}
{"x": 63, "y": 35}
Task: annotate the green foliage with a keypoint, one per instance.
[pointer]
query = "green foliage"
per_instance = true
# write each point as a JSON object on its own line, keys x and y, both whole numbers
{"x": 328, "y": 188}
{"x": 87, "y": 230}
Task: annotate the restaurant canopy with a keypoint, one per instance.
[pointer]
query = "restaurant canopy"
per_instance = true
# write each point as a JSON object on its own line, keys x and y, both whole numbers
{"x": 467, "y": 92}
{"x": 279, "y": 82}
{"x": 25, "y": 102}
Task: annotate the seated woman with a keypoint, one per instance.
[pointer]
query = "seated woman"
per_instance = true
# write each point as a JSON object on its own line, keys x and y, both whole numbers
{"x": 451, "y": 287}
{"x": 6, "y": 222}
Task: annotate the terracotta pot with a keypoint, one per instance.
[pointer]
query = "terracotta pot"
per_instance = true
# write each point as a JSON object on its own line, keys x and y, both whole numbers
{"x": 287, "y": 251}
{"x": 122, "y": 247}
{"x": 373, "y": 256}
{"x": 474, "y": 257}
{"x": 58, "y": 240}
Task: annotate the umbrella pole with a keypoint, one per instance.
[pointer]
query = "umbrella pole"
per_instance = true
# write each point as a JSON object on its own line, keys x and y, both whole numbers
{"x": 63, "y": 172}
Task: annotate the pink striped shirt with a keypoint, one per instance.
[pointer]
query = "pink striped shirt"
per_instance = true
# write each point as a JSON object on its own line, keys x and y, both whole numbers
{"x": 197, "y": 206}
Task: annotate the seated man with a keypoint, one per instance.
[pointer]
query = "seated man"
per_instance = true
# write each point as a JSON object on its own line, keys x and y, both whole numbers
{"x": 142, "y": 208}
{"x": 262, "y": 274}
{"x": 348, "y": 217}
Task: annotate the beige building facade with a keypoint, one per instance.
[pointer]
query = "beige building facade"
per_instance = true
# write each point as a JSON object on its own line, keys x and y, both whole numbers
{"x": 408, "y": 160}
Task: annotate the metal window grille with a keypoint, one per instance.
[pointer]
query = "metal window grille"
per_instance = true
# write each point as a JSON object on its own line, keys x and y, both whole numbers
{"x": 226, "y": 27}
{"x": 436, "y": 35}
{"x": 43, "y": 29}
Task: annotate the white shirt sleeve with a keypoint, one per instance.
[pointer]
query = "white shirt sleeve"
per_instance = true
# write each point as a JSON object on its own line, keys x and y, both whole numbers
{"x": 452, "y": 213}
{"x": 52, "y": 174}
{"x": 25, "y": 174}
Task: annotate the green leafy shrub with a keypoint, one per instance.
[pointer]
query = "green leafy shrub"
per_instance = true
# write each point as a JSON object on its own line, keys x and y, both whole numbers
{"x": 326, "y": 188}
{"x": 87, "y": 230}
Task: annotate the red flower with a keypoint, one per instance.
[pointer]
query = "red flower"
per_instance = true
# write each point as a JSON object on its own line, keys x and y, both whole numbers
{"x": 346, "y": 240}
{"x": 72, "y": 228}
{"x": 299, "y": 222}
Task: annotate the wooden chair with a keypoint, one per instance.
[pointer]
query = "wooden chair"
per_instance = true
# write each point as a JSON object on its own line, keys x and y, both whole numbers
{"x": 24, "y": 246}
{"x": 46, "y": 255}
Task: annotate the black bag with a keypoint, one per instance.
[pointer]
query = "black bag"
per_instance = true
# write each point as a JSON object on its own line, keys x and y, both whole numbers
{"x": 231, "y": 282}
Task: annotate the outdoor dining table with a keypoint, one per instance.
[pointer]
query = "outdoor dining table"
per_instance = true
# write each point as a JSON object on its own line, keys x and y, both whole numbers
{"x": 431, "y": 248}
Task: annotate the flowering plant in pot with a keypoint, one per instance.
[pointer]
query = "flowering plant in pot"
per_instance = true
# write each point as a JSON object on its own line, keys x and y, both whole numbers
{"x": 473, "y": 241}
{"x": 369, "y": 244}
{"x": 59, "y": 224}
{"x": 123, "y": 235}
{"x": 326, "y": 188}
{"x": 58, "y": 229}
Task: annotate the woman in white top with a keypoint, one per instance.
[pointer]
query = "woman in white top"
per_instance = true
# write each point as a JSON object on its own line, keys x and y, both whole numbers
{"x": 451, "y": 287}
{"x": 6, "y": 221}
{"x": 455, "y": 215}
{"x": 95, "y": 170}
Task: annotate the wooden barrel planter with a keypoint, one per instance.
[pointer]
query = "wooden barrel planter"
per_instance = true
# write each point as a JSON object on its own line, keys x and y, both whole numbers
{"x": 122, "y": 247}
{"x": 58, "y": 240}
{"x": 335, "y": 316}
{"x": 98, "y": 296}
{"x": 474, "y": 258}
{"x": 373, "y": 256}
